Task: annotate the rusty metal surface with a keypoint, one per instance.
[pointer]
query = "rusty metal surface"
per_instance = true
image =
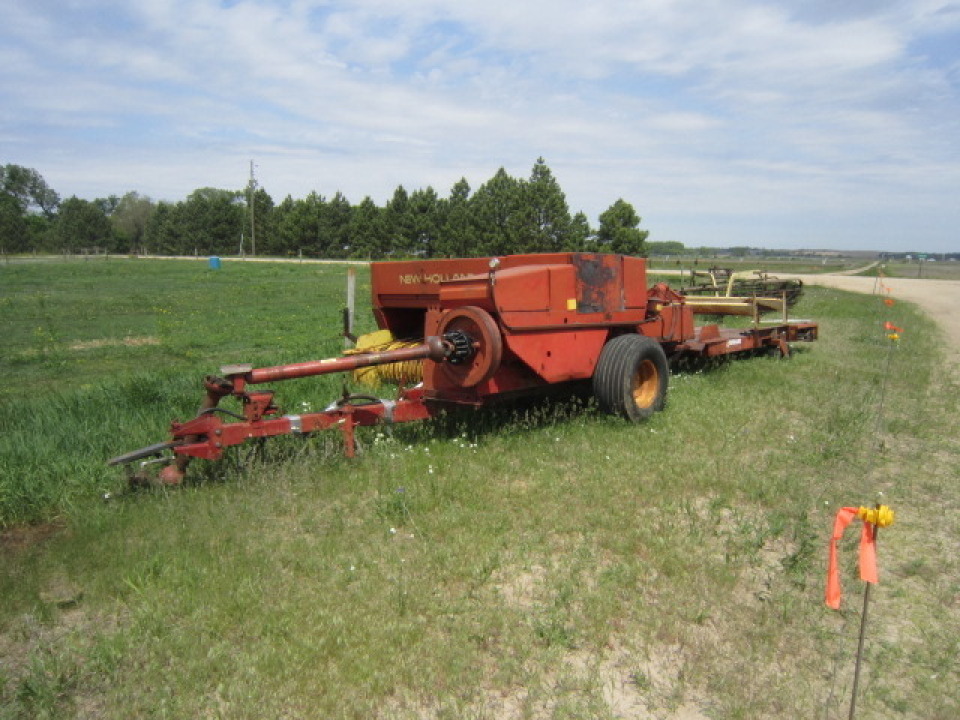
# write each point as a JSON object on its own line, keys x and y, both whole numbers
{"x": 599, "y": 289}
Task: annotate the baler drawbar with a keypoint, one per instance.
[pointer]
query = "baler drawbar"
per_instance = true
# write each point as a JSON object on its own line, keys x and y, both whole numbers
{"x": 489, "y": 329}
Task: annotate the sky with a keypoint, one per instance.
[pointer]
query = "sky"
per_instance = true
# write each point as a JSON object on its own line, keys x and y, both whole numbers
{"x": 778, "y": 124}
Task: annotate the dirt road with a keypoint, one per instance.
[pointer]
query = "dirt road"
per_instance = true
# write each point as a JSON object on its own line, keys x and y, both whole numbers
{"x": 939, "y": 298}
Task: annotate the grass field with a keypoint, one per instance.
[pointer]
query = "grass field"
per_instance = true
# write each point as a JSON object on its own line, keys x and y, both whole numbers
{"x": 546, "y": 563}
{"x": 99, "y": 355}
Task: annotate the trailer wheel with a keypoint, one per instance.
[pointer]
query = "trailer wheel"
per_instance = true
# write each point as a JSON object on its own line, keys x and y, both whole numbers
{"x": 631, "y": 377}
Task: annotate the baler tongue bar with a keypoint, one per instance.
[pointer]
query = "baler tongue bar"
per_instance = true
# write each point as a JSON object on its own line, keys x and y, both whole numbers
{"x": 207, "y": 434}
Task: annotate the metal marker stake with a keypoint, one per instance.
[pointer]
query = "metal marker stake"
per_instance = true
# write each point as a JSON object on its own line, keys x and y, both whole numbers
{"x": 863, "y": 633}
{"x": 351, "y": 306}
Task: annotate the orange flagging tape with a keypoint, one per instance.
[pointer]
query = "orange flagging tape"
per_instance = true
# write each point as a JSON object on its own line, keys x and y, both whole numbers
{"x": 872, "y": 518}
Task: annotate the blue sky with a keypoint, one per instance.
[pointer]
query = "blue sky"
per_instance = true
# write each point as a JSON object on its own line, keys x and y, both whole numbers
{"x": 777, "y": 124}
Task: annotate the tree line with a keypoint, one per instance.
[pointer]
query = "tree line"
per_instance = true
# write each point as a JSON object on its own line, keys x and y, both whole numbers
{"x": 505, "y": 215}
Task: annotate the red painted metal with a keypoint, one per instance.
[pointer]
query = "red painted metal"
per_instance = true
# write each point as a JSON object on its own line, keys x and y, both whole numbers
{"x": 208, "y": 435}
{"x": 491, "y": 328}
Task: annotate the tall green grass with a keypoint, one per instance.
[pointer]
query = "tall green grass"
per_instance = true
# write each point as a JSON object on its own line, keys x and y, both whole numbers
{"x": 541, "y": 562}
{"x": 100, "y": 355}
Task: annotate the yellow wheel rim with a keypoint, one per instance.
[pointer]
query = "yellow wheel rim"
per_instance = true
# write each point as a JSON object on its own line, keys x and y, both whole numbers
{"x": 646, "y": 384}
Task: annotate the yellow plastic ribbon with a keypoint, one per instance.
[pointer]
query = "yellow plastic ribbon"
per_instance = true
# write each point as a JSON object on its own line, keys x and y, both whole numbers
{"x": 881, "y": 516}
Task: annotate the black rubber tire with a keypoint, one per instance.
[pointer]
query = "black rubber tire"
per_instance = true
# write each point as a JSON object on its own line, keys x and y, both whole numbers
{"x": 631, "y": 377}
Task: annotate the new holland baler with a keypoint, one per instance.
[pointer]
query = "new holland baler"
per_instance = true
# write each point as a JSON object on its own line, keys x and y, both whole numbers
{"x": 480, "y": 330}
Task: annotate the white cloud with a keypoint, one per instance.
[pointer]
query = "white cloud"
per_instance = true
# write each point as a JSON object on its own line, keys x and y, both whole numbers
{"x": 692, "y": 111}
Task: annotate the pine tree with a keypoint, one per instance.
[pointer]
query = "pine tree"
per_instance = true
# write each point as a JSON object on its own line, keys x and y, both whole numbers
{"x": 547, "y": 211}
{"x": 619, "y": 232}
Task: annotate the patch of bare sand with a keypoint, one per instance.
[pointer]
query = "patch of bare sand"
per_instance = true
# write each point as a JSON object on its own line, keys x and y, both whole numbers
{"x": 20, "y": 537}
{"x": 115, "y": 342}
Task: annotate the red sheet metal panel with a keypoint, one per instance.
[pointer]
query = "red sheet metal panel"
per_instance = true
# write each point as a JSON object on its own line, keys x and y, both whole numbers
{"x": 561, "y": 355}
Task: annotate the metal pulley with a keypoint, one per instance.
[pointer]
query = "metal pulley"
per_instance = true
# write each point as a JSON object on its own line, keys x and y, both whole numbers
{"x": 475, "y": 326}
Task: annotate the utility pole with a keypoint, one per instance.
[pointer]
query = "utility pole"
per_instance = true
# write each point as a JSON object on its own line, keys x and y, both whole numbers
{"x": 253, "y": 197}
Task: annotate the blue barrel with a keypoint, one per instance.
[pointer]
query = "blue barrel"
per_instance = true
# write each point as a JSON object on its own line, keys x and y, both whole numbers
{"x": 214, "y": 263}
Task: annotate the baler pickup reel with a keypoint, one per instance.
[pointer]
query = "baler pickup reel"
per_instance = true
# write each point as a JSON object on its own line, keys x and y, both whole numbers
{"x": 208, "y": 435}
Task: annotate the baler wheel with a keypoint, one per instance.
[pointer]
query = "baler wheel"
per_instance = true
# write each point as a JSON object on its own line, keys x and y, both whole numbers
{"x": 631, "y": 377}
{"x": 482, "y": 329}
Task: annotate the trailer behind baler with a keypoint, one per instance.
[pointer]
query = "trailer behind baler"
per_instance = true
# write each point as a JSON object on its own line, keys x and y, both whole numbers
{"x": 482, "y": 330}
